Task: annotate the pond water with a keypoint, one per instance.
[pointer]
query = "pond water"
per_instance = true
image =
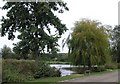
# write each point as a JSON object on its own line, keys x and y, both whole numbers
{"x": 63, "y": 71}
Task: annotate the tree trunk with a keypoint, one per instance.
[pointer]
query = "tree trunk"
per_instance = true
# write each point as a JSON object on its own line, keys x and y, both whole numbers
{"x": 89, "y": 63}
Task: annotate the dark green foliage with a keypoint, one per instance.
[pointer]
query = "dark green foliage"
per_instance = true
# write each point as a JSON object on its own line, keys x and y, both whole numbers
{"x": 43, "y": 70}
{"x": 116, "y": 43}
{"x": 34, "y": 22}
{"x": 79, "y": 70}
{"x": 60, "y": 57}
{"x": 24, "y": 70}
{"x": 63, "y": 57}
{"x": 118, "y": 65}
{"x": 6, "y": 52}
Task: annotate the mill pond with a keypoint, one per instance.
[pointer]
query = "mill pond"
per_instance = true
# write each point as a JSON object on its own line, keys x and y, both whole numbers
{"x": 63, "y": 71}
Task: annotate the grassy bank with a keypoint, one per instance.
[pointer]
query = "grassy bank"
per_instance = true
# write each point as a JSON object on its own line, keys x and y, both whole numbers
{"x": 73, "y": 76}
{"x": 51, "y": 80}
{"x": 103, "y": 72}
{"x": 57, "y": 79}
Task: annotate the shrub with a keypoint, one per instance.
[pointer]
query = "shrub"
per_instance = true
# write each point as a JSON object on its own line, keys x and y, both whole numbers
{"x": 17, "y": 71}
{"x": 111, "y": 66}
{"x": 9, "y": 76}
{"x": 79, "y": 70}
{"x": 99, "y": 68}
{"x": 24, "y": 70}
{"x": 44, "y": 70}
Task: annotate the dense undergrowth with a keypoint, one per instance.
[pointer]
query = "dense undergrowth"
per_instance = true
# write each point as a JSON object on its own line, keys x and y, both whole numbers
{"x": 23, "y": 70}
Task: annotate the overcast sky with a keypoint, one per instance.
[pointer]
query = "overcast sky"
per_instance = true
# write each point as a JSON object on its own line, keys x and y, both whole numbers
{"x": 105, "y": 11}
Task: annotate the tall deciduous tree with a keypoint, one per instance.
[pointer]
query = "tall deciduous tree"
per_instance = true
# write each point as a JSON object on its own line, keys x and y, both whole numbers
{"x": 89, "y": 43}
{"x": 34, "y": 21}
{"x": 6, "y": 52}
{"x": 116, "y": 43}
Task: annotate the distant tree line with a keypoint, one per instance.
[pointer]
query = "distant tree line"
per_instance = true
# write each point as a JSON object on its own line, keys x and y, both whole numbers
{"x": 8, "y": 53}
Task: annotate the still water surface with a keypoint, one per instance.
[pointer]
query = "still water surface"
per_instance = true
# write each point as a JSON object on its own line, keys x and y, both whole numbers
{"x": 63, "y": 71}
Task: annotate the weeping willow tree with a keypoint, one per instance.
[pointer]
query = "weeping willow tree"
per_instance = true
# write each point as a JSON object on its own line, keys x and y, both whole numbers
{"x": 89, "y": 44}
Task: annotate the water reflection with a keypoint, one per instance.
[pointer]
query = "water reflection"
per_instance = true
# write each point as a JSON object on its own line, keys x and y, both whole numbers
{"x": 63, "y": 71}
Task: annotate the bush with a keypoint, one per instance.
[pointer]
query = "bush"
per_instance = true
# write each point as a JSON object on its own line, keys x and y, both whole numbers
{"x": 9, "y": 76}
{"x": 79, "y": 70}
{"x": 24, "y": 70}
{"x": 44, "y": 70}
{"x": 99, "y": 68}
{"x": 111, "y": 66}
{"x": 17, "y": 71}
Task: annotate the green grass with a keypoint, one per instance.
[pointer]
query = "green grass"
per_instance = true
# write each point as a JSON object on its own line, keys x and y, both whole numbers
{"x": 59, "y": 79}
{"x": 103, "y": 72}
{"x": 55, "y": 79}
